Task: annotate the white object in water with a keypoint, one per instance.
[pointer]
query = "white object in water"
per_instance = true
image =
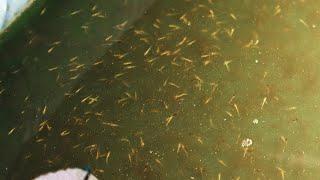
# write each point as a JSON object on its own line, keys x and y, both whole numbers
{"x": 67, "y": 174}
{"x": 246, "y": 143}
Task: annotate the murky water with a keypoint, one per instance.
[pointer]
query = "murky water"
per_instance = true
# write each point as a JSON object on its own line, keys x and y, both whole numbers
{"x": 164, "y": 90}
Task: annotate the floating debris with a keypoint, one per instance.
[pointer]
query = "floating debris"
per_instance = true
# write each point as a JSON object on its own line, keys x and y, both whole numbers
{"x": 222, "y": 163}
{"x": 183, "y": 148}
{"x": 11, "y": 131}
{"x": 246, "y": 143}
{"x": 64, "y": 133}
{"x": 282, "y": 172}
{"x": 75, "y": 12}
{"x": 304, "y": 23}
{"x": 168, "y": 120}
{"x": 226, "y": 63}
{"x": 263, "y": 102}
{"x": 108, "y": 156}
{"x": 141, "y": 142}
{"x": 110, "y": 124}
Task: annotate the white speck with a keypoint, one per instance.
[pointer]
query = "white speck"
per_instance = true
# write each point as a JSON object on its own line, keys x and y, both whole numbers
{"x": 246, "y": 142}
{"x": 255, "y": 121}
{"x": 224, "y": 119}
{"x": 257, "y": 61}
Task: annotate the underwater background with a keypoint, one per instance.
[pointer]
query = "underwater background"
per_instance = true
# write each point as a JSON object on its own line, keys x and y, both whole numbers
{"x": 162, "y": 89}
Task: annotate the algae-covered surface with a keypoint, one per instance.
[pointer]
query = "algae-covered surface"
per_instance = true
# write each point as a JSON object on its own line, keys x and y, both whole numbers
{"x": 181, "y": 89}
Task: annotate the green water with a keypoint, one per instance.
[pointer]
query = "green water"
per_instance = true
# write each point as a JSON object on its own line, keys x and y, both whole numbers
{"x": 171, "y": 95}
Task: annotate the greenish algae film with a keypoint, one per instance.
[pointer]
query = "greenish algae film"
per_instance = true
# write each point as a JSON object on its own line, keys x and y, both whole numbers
{"x": 164, "y": 89}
